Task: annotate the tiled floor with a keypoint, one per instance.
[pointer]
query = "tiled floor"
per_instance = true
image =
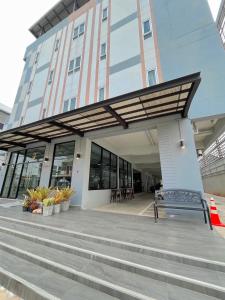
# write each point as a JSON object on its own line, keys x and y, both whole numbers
{"x": 141, "y": 205}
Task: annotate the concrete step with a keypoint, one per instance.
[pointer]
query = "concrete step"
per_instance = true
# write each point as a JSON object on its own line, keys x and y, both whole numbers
{"x": 92, "y": 241}
{"x": 31, "y": 281}
{"x": 120, "y": 273}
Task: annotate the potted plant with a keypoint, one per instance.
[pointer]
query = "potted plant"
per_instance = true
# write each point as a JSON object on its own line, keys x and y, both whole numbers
{"x": 57, "y": 201}
{"x": 33, "y": 206}
{"x": 26, "y": 204}
{"x": 48, "y": 207}
{"x": 42, "y": 193}
{"x": 66, "y": 194}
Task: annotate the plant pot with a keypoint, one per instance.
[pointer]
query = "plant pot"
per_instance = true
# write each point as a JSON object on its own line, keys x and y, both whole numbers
{"x": 57, "y": 208}
{"x": 47, "y": 210}
{"x": 25, "y": 208}
{"x": 65, "y": 205}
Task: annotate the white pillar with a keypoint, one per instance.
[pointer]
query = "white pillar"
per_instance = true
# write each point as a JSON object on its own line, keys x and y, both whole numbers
{"x": 180, "y": 167}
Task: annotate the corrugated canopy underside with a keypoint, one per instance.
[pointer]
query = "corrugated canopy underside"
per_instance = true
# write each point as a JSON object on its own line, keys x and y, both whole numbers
{"x": 168, "y": 98}
{"x": 55, "y": 15}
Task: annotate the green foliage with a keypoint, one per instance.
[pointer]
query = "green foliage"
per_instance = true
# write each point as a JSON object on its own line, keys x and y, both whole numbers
{"x": 48, "y": 201}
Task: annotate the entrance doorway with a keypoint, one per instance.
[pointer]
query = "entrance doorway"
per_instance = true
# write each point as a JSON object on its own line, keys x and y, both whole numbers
{"x": 137, "y": 181}
{"x": 23, "y": 172}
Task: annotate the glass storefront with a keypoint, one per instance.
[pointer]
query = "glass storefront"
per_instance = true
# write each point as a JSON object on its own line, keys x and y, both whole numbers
{"x": 103, "y": 169}
{"x": 23, "y": 172}
{"x": 62, "y": 166}
{"x": 125, "y": 174}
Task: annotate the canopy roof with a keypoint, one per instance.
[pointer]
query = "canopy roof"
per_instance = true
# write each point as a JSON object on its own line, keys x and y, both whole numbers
{"x": 55, "y": 15}
{"x": 168, "y": 98}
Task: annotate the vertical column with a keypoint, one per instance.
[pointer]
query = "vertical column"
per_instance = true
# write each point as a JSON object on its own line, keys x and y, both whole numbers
{"x": 180, "y": 167}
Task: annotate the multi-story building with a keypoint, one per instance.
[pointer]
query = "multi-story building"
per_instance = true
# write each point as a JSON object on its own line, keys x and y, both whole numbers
{"x": 4, "y": 116}
{"x": 220, "y": 20}
{"x": 112, "y": 86}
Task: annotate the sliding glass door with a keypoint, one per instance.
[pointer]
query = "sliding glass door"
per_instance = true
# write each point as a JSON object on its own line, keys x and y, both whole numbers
{"x": 23, "y": 172}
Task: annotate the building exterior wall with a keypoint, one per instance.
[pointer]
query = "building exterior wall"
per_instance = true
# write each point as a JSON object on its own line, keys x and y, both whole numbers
{"x": 180, "y": 168}
{"x": 221, "y": 21}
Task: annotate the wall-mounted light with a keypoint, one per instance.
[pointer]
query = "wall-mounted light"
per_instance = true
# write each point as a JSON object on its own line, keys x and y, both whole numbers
{"x": 182, "y": 145}
{"x": 46, "y": 159}
{"x": 3, "y": 164}
{"x": 78, "y": 156}
{"x": 200, "y": 153}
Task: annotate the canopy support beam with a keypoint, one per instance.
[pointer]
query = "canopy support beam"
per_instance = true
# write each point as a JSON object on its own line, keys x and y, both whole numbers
{"x": 116, "y": 116}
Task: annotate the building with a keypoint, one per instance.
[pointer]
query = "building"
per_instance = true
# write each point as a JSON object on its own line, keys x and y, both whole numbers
{"x": 4, "y": 116}
{"x": 109, "y": 95}
{"x": 220, "y": 21}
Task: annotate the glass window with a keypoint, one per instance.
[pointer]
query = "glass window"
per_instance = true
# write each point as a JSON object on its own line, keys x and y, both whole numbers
{"x": 95, "y": 167}
{"x": 105, "y": 14}
{"x": 151, "y": 77}
{"x": 72, "y": 103}
{"x": 62, "y": 165}
{"x": 78, "y": 63}
{"x": 81, "y": 30}
{"x": 50, "y": 77}
{"x": 57, "y": 45}
{"x": 103, "y": 169}
{"x": 66, "y": 106}
{"x": 146, "y": 27}
{"x": 103, "y": 51}
{"x": 113, "y": 175}
{"x": 125, "y": 174}
{"x": 23, "y": 172}
{"x": 71, "y": 66}
{"x": 101, "y": 94}
{"x": 76, "y": 32}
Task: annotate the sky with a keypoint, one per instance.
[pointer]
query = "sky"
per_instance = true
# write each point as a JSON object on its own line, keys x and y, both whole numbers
{"x": 16, "y": 19}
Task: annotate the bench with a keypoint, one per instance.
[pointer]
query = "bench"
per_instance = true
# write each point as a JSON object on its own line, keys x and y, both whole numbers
{"x": 182, "y": 199}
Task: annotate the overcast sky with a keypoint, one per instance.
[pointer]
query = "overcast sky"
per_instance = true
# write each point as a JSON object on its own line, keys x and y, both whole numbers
{"x": 16, "y": 18}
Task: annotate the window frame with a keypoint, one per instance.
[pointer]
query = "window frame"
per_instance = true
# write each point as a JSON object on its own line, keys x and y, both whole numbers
{"x": 155, "y": 75}
{"x": 147, "y": 34}
{"x": 29, "y": 87}
{"x": 57, "y": 43}
{"x": 101, "y": 169}
{"x": 100, "y": 94}
{"x": 82, "y": 25}
{"x": 103, "y": 54}
{"x": 50, "y": 79}
{"x": 77, "y": 68}
{"x": 53, "y": 159}
{"x": 105, "y": 17}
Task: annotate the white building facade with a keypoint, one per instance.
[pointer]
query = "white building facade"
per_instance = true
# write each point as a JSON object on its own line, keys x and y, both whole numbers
{"x": 90, "y": 51}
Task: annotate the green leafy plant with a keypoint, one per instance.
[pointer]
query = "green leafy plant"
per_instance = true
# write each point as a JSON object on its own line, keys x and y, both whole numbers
{"x": 48, "y": 201}
{"x": 33, "y": 195}
{"x": 58, "y": 197}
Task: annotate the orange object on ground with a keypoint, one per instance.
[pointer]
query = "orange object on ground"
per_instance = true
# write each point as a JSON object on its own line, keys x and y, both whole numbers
{"x": 215, "y": 218}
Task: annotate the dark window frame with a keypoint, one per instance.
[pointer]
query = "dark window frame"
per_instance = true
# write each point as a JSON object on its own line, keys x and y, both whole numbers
{"x": 101, "y": 170}
{"x": 53, "y": 158}
{"x": 125, "y": 172}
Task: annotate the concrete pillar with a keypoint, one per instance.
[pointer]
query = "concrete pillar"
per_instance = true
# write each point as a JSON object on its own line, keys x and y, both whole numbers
{"x": 180, "y": 167}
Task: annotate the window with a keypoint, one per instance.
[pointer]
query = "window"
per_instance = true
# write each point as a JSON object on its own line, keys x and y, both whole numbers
{"x": 76, "y": 33}
{"x": 43, "y": 113}
{"x": 147, "y": 29}
{"x": 71, "y": 67}
{"x": 62, "y": 166}
{"x": 151, "y": 77}
{"x": 77, "y": 64}
{"x": 104, "y": 14}
{"x": 66, "y": 106}
{"x": 36, "y": 57}
{"x": 81, "y": 29}
{"x": 72, "y": 103}
{"x": 29, "y": 87}
{"x": 57, "y": 45}
{"x": 69, "y": 104}
{"x": 125, "y": 174}
{"x": 103, "y": 51}
{"x": 101, "y": 96}
{"x": 23, "y": 172}
{"x": 103, "y": 169}
{"x": 50, "y": 77}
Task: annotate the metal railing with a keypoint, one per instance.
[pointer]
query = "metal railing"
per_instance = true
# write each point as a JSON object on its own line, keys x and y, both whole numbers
{"x": 213, "y": 159}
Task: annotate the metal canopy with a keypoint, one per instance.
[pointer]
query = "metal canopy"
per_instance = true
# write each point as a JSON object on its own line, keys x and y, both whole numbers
{"x": 168, "y": 98}
{"x": 55, "y": 15}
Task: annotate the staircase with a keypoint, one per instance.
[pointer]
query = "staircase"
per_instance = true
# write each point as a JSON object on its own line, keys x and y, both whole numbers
{"x": 39, "y": 261}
